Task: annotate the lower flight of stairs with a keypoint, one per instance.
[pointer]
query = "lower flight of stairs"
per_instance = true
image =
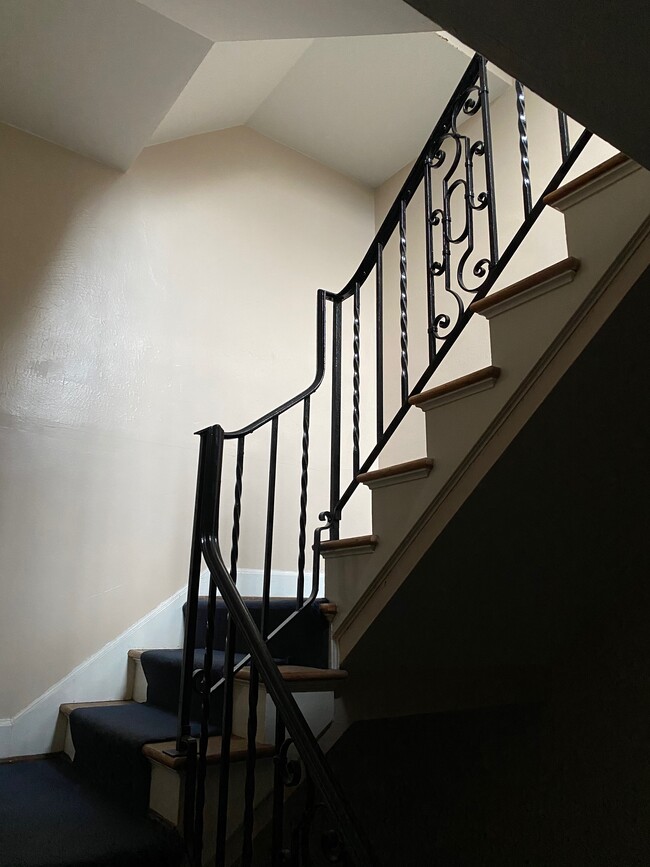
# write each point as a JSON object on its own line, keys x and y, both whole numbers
{"x": 117, "y": 768}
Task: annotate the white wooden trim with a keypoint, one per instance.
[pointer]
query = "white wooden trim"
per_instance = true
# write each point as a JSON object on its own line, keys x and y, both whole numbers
{"x": 596, "y": 185}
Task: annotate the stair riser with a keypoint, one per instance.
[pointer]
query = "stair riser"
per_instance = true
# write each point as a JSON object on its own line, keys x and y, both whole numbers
{"x": 317, "y": 707}
{"x": 138, "y": 680}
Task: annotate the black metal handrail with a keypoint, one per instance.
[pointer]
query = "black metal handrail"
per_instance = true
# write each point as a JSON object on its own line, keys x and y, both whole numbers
{"x": 452, "y": 152}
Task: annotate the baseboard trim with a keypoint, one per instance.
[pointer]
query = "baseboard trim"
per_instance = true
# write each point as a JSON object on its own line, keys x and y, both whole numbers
{"x": 104, "y": 676}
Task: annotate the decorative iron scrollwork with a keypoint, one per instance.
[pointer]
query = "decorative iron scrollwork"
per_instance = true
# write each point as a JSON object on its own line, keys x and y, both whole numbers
{"x": 456, "y": 153}
{"x": 291, "y": 768}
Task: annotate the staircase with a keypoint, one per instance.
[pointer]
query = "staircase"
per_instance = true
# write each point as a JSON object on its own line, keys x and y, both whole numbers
{"x": 538, "y": 326}
{"x": 216, "y": 734}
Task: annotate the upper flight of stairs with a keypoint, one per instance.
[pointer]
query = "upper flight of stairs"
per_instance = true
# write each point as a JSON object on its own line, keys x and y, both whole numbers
{"x": 538, "y": 326}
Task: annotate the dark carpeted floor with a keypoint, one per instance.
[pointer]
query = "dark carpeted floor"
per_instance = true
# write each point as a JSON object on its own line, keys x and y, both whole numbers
{"x": 51, "y": 817}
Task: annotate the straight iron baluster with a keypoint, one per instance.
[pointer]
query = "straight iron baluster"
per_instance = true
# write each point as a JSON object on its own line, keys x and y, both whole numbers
{"x": 379, "y": 327}
{"x": 228, "y": 670}
{"x": 212, "y": 517}
{"x": 251, "y": 759}
{"x": 431, "y": 297}
{"x": 489, "y": 164}
{"x": 270, "y": 517}
{"x": 278, "y": 795}
{"x": 335, "y": 464}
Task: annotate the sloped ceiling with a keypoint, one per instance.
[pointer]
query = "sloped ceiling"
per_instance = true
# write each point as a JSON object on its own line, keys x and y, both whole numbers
{"x": 230, "y": 85}
{"x": 363, "y": 105}
{"x": 96, "y": 76}
{"x": 339, "y": 80}
{"x": 233, "y": 20}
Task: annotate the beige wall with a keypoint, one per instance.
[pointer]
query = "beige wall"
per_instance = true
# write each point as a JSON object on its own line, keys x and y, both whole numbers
{"x": 137, "y": 309}
{"x": 545, "y": 245}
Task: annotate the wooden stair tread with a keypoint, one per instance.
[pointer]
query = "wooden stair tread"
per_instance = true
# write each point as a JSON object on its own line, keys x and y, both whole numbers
{"x": 349, "y": 543}
{"x": 300, "y": 674}
{"x": 477, "y": 377}
{"x": 586, "y": 178}
{"x": 66, "y": 709}
{"x": 565, "y": 266}
{"x": 395, "y": 470}
{"x": 238, "y": 750}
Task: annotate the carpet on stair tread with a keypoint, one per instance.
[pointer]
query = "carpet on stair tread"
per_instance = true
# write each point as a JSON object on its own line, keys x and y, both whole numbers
{"x": 108, "y": 745}
{"x": 162, "y": 670}
{"x": 51, "y": 817}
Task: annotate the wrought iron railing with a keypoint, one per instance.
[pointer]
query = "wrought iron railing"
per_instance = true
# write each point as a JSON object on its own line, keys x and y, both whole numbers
{"x": 462, "y": 265}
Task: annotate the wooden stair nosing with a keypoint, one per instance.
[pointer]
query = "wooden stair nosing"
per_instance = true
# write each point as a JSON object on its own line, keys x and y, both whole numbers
{"x": 349, "y": 544}
{"x": 485, "y": 374}
{"x": 300, "y": 674}
{"x": 565, "y": 266}
{"x": 67, "y": 708}
{"x": 158, "y": 752}
{"x": 586, "y": 178}
{"x": 395, "y": 470}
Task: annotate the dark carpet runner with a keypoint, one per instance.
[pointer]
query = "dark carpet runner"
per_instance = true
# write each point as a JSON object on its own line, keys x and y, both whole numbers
{"x": 108, "y": 745}
{"x": 93, "y": 813}
{"x": 108, "y": 740}
{"x": 51, "y": 817}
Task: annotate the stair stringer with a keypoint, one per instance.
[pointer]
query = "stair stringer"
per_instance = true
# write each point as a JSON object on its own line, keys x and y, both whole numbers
{"x": 608, "y": 230}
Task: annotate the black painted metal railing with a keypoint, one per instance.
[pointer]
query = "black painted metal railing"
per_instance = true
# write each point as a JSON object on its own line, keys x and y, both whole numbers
{"x": 462, "y": 263}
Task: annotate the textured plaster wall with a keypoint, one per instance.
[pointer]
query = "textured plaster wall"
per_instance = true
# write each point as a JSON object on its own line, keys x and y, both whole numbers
{"x": 136, "y": 309}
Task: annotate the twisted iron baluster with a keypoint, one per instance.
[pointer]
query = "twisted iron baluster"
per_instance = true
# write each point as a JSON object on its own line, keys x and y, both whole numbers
{"x": 304, "y": 480}
{"x": 523, "y": 147}
{"x": 236, "y": 512}
{"x": 403, "y": 304}
{"x": 356, "y": 341}
{"x": 565, "y": 144}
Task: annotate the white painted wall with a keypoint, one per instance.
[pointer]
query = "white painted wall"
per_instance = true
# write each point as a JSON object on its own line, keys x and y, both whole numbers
{"x": 137, "y": 309}
{"x": 545, "y": 245}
